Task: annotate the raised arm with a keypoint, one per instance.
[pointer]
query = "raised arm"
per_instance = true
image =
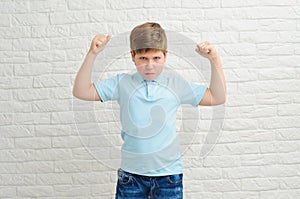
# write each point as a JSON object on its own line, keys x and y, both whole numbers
{"x": 216, "y": 93}
{"x": 83, "y": 87}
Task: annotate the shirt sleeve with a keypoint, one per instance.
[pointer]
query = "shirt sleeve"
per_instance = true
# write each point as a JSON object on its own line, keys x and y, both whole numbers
{"x": 188, "y": 92}
{"x": 198, "y": 93}
{"x": 108, "y": 89}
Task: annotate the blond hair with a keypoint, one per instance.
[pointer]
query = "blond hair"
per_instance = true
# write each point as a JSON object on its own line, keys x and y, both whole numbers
{"x": 148, "y": 36}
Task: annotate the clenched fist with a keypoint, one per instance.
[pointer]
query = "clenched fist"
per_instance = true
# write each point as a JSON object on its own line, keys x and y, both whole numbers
{"x": 98, "y": 43}
{"x": 207, "y": 50}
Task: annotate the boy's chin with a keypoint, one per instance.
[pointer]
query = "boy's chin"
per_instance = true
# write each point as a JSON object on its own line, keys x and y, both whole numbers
{"x": 149, "y": 77}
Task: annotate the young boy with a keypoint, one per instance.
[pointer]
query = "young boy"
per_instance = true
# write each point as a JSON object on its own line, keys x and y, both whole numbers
{"x": 151, "y": 163}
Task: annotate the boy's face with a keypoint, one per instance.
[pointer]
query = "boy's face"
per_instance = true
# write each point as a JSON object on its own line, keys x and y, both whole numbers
{"x": 149, "y": 64}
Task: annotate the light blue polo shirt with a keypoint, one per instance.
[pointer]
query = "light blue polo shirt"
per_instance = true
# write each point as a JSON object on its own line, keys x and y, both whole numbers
{"x": 148, "y": 118}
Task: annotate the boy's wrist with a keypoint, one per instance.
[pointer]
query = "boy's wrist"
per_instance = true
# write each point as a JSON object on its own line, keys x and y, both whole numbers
{"x": 215, "y": 61}
{"x": 91, "y": 54}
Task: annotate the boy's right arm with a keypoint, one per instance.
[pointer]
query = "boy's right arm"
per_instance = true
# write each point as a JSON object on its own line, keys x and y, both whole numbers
{"x": 83, "y": 87}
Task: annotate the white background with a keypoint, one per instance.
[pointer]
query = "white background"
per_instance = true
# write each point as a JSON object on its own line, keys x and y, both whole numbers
{"x": 43, "y": 43}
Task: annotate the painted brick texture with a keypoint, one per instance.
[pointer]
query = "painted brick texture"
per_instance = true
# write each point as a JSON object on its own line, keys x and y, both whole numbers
{"x": 54, "y": 146}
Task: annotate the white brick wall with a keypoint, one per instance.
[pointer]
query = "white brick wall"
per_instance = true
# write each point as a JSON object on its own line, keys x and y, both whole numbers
{"x": 42, "y": 44}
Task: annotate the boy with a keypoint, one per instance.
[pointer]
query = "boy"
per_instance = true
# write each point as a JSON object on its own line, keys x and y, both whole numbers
{"x": 151, "y": 163}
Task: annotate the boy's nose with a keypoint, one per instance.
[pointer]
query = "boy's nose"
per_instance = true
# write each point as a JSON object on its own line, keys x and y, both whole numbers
{"x": 150, "y": 64}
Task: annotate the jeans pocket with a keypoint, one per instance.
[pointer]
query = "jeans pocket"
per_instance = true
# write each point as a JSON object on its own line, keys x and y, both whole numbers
{"x": 175, "y": 179}
{"x": 124, "y": 178}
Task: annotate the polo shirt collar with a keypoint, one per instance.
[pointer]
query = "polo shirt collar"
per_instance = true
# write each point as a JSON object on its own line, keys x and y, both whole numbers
{"x": 161, "y": 79}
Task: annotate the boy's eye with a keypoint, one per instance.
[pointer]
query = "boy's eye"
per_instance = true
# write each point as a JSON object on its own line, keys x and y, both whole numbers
{"x": 157, "y": 57}
{"x": 143, "y": 58}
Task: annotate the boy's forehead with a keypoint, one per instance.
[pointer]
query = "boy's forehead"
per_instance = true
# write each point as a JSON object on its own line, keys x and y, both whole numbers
{"x": 150, "y": 52}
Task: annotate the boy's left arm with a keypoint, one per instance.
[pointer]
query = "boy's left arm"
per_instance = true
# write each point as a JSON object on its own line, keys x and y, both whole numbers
{"x": 216, "y": 93}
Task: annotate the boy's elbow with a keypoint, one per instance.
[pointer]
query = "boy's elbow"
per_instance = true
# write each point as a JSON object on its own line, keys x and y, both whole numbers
{"x": 219, "y": 101}
{"x": 76, "y": 94}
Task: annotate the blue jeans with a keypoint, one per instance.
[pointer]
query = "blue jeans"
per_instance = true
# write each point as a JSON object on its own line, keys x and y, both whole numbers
{"x": 147, "y": 187}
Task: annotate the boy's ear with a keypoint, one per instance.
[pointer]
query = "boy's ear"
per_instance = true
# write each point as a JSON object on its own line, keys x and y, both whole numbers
{"x": 166, "y": 53}
{"x": 132, "y": 55}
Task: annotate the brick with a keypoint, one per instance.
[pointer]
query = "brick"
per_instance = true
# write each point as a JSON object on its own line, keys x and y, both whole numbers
{"x": 52, "y": 130}
{"x": 8, "y": 191}
{"x": 200, "y": 4}
{"x": 35, "y": 191}
{"x": 91, "y": 178}
{"x": 271, "y": 12}
{"x": 46, "y": 6}
{"x": 5, "y": 44}
{"x": 73, "y": 166}
{"x": 232, "y": 3}
{"x": 30, "y": 19}
{"x": 291, "y": 193}
{"x": 53, "y": 179}
{"x": 89, "y": 29}
{"x": 199, "y": 26}
{"x": 242, "y": 172}
{"x": 47, "y": 56}
{"x": 259, "y": 184}
{"x": 258, "y": 159}
{"x": 221, "y": 161}
{"x": 29, "y": 95}
{"x": 290, "y": 183}
{"x": 103, "y": 189}
{"x": 62, "y": 118}
{"x": 220, "y": 37}
{"x": 6, "y": 70}
{"x": 83, "y": 5}
{"x": 240, "y": 124}
{"x": 203, "y": 174}
{"x": 240, "y": 100}
{"x": 51, "y": 105}
{"x": 13, "y": 155}
{"x": 225, "y": 13}
{"x": 222, "y": 185}
{"x": 69, "y": 18}
{"x": 32, "y": 118}
{"x": 6, "y": 119}
{"x": 61, "y": 43}
{"x": 33, "y": 143}
{"x": 8, "y": 168}
{"x": 35, "y": 167}
{"x": 15, "y": 32}
{"x": 50, "y": 31}
{"x": 279, "y": 122}
{"x": 241, "y": 194}
{"x": 239, "y": 25}
{"x": 48, "y": 81}
{"x": 14, "y": 7}
{"x": 162, "y": 4}
{"x": 125, "y": 4}
{"x": 52, "y": 154}
{"x": 288, "y": 134}
{"x": 15, "y": 131}
{"x": 71, "y": 190}
{"x": 66, "y": 141}
{"x": 31, "y": 44}
{"x": 16, "y": 179}
{"x": 6, "y": 143}
{"x": 14, "y": 57}
{"x": 288, "y": 109}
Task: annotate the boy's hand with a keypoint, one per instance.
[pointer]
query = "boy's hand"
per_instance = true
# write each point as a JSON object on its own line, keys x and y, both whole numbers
{"x": 207, "y": 50}
{"x": 98, "y": 43}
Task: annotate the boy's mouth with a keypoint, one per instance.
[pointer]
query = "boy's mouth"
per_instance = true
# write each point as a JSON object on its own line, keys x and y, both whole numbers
{"x": 149, "y": 73}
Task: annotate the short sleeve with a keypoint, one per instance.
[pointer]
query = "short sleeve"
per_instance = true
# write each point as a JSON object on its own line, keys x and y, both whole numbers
{"x": 108, "y": 89}
{"x": 198, "y": 93}
{"x": 188, "y": 92}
